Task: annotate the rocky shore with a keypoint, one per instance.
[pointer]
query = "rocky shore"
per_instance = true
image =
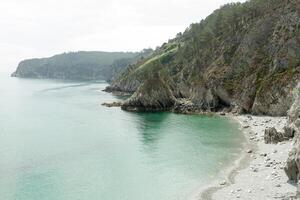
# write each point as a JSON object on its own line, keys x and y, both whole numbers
{"x": 260, "y": 175}
{"x": 268, "y": 167}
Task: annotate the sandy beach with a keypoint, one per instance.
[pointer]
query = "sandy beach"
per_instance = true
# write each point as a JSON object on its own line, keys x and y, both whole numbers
{"x": 258, "y": 174}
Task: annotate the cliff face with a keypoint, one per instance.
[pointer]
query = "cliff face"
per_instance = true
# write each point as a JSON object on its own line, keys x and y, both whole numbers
{"x": 243, "y": 56}
{"x": 292, "y": 167}
{"x": 78, "y": 66}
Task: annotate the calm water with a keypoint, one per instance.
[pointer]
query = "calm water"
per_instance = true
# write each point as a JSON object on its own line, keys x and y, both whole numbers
{"x": 58, "y": 143}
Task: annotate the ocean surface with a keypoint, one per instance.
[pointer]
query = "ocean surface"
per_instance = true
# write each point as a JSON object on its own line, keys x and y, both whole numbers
{"x": 58, "y": 143}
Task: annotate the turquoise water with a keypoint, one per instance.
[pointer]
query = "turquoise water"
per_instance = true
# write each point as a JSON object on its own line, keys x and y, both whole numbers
{"x": 58, "y": 143}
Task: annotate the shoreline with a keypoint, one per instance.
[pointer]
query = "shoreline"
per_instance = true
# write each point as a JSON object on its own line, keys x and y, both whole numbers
{"x": 258, "y": 173}
{"x": 241, "y": 162}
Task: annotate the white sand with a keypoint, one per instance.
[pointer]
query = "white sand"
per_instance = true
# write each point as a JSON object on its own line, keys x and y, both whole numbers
{"x": 259, "y": 175}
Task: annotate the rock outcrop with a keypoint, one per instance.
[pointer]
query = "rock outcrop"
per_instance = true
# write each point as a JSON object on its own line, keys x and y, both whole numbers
{"x": 243, "y": 57}
{"x": 184, "y": 106}
{"x": 113, "y": 104}
{"x": 153, "y": 95}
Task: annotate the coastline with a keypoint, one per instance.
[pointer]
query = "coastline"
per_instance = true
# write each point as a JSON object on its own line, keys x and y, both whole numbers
{"x": 258, "y": 173}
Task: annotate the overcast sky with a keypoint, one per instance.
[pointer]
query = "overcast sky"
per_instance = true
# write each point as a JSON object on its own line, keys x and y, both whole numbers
{"x": 38, "y": 28}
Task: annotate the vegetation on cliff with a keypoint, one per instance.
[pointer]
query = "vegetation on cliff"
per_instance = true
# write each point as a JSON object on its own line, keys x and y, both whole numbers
{"x": 244, "y": 56}
{"x": 79, "y": 65}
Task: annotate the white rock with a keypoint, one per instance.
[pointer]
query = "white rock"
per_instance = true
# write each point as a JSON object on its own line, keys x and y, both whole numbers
{"x": 223, "y": 182}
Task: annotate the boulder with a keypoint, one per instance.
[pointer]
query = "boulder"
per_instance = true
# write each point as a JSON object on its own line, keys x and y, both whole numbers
{"x": 272, "y": 136}
{"x": 289, "y": 132}
{"x": 292, "y": 167}
{"x": 184, "y": 106}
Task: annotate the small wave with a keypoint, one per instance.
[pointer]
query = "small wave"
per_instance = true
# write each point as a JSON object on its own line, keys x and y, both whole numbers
{"x": 65, "y": 87}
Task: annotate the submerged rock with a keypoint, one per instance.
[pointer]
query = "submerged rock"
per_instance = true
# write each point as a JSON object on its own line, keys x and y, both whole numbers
{"x": 113, "y": 104}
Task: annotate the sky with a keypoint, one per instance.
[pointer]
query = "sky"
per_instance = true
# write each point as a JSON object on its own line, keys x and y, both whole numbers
{"x": 42, "y": 28}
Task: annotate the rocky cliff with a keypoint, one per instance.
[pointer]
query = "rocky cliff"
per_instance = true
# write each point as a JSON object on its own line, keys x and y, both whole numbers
{"x": 79, "y": 65}
{"x": 243, "y": 56}
{"x": 154, "y": 94}
{"x": 292, "y": 167}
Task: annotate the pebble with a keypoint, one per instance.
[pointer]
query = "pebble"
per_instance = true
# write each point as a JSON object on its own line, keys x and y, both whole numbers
{"x": 274, "y": 173}
{"x": 249, "y": 151}
{"x": 223, "y": 182}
